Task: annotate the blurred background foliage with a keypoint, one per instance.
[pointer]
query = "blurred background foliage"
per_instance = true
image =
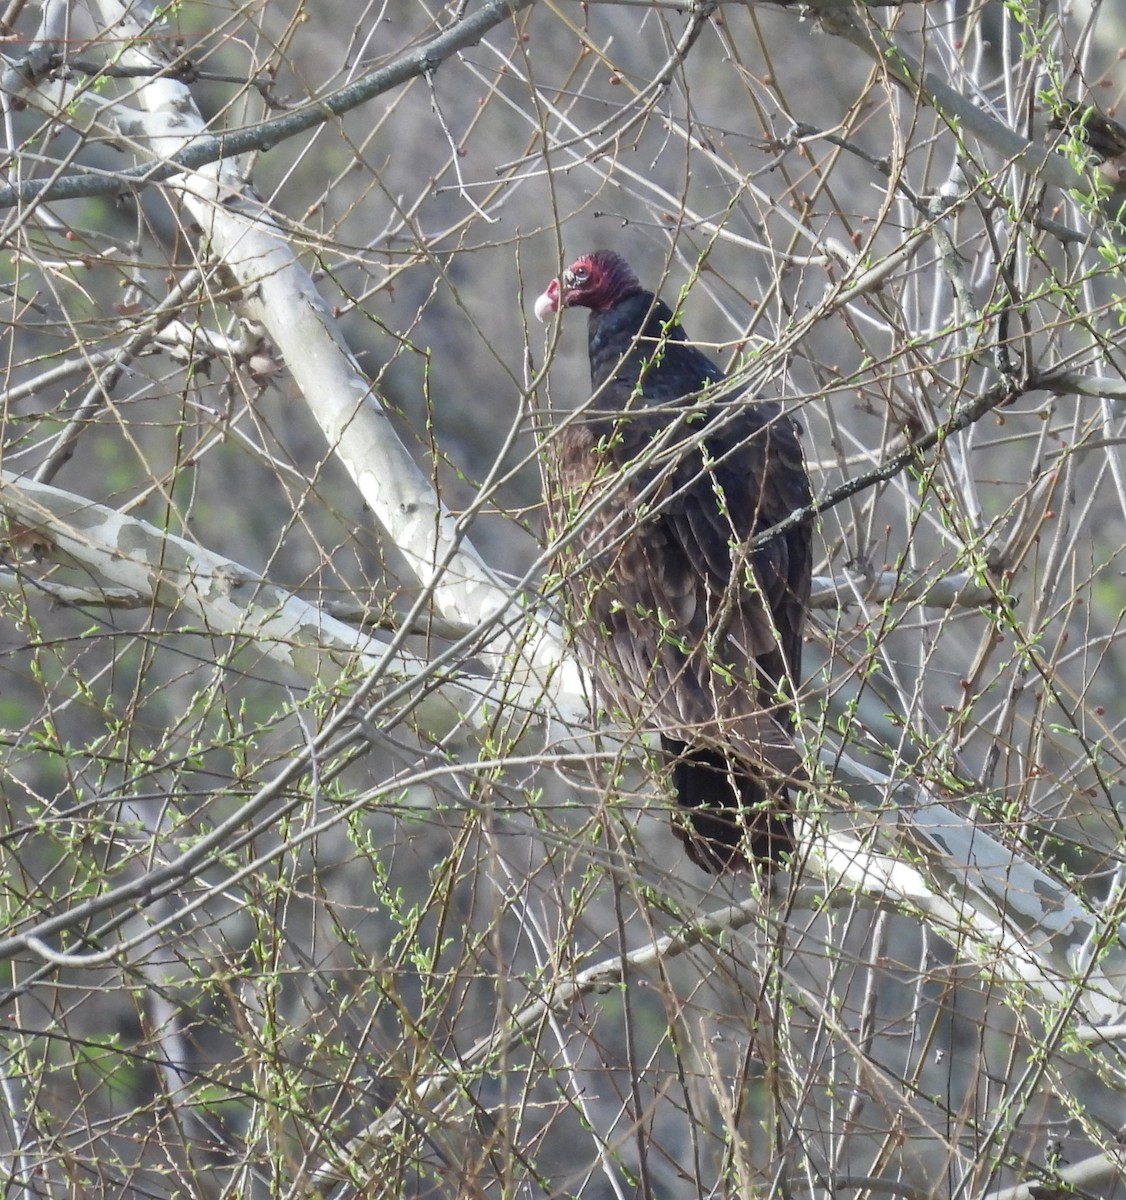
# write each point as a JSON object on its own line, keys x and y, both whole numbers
{"x": 371, "y": 926}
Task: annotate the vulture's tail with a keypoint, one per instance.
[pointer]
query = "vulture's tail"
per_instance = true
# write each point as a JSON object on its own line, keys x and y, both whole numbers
{"x": 732, "y": 816}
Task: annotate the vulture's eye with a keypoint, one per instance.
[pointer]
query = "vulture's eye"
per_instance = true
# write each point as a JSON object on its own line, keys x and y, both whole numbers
{"x": 577, "y": 276}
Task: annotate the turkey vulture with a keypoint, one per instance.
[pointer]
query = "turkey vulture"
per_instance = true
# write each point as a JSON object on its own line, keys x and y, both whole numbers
{"x": 656, "y": 488}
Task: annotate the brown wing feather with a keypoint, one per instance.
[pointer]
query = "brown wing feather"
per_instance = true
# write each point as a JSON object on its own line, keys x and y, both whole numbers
{"x": 688, "y": 629}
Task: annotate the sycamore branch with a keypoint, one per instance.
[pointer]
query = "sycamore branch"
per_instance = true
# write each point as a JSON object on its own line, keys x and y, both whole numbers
{"x": 961, "y": 113}
{"x": 843, "y": 591}
{"x": 279, "y": 295}
{"x": 134, "y": 556}
{"x": 840, "y": 872}
{"x": 135, "y": 559}
{"x": 1098, "y": 1175}
{"x": 205, "y": 150}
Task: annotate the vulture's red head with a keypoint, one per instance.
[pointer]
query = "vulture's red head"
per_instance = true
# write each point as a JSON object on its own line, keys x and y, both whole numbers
{"x": 596, "y": 281}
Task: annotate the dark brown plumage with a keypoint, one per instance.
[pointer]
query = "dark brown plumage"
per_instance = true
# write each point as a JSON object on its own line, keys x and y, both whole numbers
{"x": 664, "y": 479}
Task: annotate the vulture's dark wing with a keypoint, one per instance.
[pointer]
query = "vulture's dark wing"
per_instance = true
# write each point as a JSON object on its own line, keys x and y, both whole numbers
{"x": 660, "y": 486}
{"x": 694, "y": 632}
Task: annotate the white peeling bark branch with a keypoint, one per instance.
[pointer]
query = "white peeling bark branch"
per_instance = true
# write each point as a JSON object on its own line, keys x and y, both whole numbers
{"x": 842, "y": 873}
{"x": 1028, "y": 925}
{"x": 829, "y": 592}
{"x": 1099, "y": 1175}
{"x": 138, "y": 559}
{"x": 857, "y": 27}
{"x": 467, "y": 30}
{"x": 843, "y": 591}
{"x": 279, "y": 295}
{"x": 977, "y": 894}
